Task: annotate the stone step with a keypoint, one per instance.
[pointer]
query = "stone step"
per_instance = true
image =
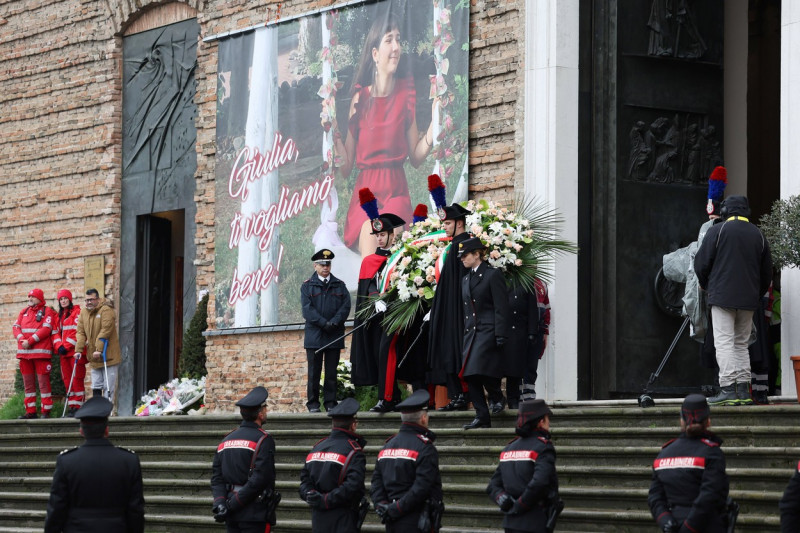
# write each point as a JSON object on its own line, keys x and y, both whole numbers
{"x": 566, "y": 415}
{"x": 765, "y": 479}
{"x": 628, "y": 456}
{"x": 590, "y": 436}
{"x": 574, "y": 520}
{"x": 604, "y": 453}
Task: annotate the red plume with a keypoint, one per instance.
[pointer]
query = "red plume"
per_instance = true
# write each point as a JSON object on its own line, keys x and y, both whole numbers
{"x": 434, "y": 182}
{"x": 365, "y": 195}
{"x": 719, "y": 174}
{"x": 421, "y": 211}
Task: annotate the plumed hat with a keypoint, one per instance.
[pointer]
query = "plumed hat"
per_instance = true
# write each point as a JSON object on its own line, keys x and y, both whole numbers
{"x": 716, "y": 190}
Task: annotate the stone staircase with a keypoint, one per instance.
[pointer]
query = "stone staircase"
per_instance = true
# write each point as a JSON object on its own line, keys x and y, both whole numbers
{"x": 604, "y": 455}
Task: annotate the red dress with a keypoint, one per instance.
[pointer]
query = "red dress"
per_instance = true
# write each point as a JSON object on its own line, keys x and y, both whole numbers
{"x": 379, "y": 127}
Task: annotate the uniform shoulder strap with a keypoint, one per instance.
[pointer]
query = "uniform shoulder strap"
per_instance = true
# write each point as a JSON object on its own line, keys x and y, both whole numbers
{"x": 255, "y": 453}
{"x": 346, "y": 465}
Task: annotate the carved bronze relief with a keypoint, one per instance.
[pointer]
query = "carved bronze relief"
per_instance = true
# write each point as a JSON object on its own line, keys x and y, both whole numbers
{"x": 158, "y": 113}
{"x": 673, "y": 30}
{"x": 682, "y": 149}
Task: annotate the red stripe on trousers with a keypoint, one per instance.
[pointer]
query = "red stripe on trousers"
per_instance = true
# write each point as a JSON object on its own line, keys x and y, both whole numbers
{"x": 391, "y": 369}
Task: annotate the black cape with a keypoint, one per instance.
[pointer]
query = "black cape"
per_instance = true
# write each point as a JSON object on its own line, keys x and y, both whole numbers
{"x": 366, "y": 341}
{"x": 447, "y": 318}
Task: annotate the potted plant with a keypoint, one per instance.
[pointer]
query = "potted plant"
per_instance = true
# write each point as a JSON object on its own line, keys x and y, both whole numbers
{"x": 781, "y": 227}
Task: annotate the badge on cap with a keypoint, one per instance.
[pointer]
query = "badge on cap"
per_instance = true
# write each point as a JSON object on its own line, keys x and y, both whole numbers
{"x": 377, "y": 225}
{"x": 710, "y": 207}
{"x": 442, "y": 213}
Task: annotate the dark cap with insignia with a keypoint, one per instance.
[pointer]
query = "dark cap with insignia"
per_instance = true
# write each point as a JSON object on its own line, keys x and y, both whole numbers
{"x": 416, "y": 402}
{"x": 386, "y": 222}
{"x": 453, "y": 212}
{"x": 532, "y": 410}
{"x": 695, "y": 409}
{"x": 323, "y": 257}
{"x": 95, "y": 407}
{"x": 255, "y": 398}
{"x": 470, "y": 245}
{"x": 347, "y": 408}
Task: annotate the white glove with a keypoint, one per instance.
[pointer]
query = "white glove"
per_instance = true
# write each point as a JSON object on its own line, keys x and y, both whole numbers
{"x": 380, "y": 306}
{"x": 427, "y": 317}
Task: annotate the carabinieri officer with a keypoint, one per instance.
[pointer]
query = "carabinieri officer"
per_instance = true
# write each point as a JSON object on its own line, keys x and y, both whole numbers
{"x": 525, "y": 484}
{"x": 406, "y": 475}
{"x": 326, "y": 304}
{"x": 332, "y": 479}
{"x": 690, "y": 486}
{"x": 243, "y": 472}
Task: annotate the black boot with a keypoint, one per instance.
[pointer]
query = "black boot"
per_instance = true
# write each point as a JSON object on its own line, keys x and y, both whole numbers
{"x": 478, "y": 423}
{"x": 457, "y": 404}
{"x": 383, "y": 406}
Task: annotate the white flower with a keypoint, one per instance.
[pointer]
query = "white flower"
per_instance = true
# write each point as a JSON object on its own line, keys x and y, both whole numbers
{"x": 419, "y": 280}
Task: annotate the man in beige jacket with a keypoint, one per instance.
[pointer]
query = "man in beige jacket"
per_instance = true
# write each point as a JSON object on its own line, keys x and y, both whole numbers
{"x": 98, "y": 321}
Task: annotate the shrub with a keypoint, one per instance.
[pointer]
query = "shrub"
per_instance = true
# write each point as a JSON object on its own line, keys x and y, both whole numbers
{"x": 781, "y": 227}
{"x": 193, "y": 353}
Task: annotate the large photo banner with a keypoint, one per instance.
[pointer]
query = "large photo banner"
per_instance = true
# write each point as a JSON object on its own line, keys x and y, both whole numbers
{"x": 310, "y": 111}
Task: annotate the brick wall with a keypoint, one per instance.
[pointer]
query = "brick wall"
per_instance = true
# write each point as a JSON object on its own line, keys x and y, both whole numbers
{"x": 60, "y": 157}
{"x": 59, "y": 188}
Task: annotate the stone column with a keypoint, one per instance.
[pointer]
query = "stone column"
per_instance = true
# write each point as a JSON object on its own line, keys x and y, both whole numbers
{"x": 790, "y": 185}
{"x": 551, "y": 171}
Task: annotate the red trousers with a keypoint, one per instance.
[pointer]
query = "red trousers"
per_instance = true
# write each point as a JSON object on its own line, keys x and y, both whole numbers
{"x": 75, "y": 391}
{"x": 41, "y": 369}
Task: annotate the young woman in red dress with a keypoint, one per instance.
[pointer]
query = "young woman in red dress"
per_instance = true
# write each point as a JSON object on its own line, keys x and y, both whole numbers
{"x": 382, "y": 132}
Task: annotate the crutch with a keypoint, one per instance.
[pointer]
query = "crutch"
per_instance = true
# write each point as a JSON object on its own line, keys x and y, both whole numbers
{"x": 69, "y": 389}
{"x": 105, "y": 369}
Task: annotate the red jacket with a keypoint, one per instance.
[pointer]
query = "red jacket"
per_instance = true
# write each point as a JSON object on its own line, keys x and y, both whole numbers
{"x": 66, "y": 331}
{"x": 35, "y": 324}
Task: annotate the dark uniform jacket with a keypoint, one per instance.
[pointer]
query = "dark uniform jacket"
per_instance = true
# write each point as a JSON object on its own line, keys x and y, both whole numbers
{"x": 790, "y": 505}
{"x": 734, "y": 264}
{"x": 407, "y": 474}
{"x": 485, "y": 301}
{"x": 447, "y": 317}
{"x": 335, "y": 468}
{"x": 527, "y": 472}
{"x": 364, "y": 348}
{"x": 230, "y": 473}
{"x": 324, "y": 303}
{"x": 523, "y": 310}
{"x": 97, "y": 487}
{"x": 689, "y": 481}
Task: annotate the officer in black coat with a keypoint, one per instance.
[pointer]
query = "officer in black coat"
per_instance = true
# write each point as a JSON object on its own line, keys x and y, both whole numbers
{"x": 332, "y": 479}
{"x": 447, "y": 314}
{"x": 406, "y": 484}
{"x": 243, "y": 471}
{"x": 790, "y": 505}
{"x": 326, "y": 304}
{"x": 690, "y": 487}
{"x": 525, "y": 484}
{"x": 97, "y": 487}
{"x": 485, "y": 301}
{"x": 523, "y": 310}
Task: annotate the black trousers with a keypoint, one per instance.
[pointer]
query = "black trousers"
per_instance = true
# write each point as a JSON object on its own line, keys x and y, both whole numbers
{"x": 388, "y": 357}
{"x": 512, "y": 390}
{"x": 477, "y": 384}
{"x": 331, "y": 358}
{"x": 232, "y": 526}
{"x": 454, "y": 386}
